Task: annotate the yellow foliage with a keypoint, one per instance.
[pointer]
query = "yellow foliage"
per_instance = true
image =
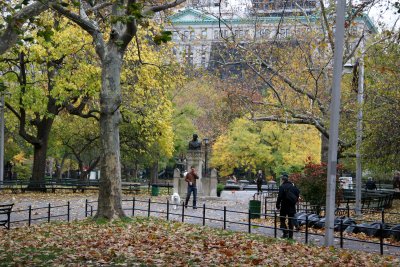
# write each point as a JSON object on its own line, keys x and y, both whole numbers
{"x": 19, "y": 158}
{"x": 266, "y": 146}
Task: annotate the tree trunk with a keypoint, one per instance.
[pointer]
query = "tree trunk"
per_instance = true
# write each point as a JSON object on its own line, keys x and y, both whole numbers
{"x": 154, "y": 173}
{"x": 37, "y": 182}
{"x": 61, "y": 166}
{"x": 110, "y": 194}
{"x": 324, "y": 148}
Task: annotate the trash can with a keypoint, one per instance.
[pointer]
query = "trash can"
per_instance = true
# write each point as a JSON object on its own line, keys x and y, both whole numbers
{"x": 154, "y": 190}
{"x": 255, "y": 209}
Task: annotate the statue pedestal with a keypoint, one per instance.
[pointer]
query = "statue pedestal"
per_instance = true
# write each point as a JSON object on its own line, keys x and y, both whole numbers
{"x": 206, "y": 186}
{"x": 195, "y": 158}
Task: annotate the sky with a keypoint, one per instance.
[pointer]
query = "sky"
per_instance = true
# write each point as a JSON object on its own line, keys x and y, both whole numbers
{"x": 385, "y": 12}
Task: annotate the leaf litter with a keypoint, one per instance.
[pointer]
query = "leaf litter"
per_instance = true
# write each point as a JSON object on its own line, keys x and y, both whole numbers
{"x": 155, "y": 242}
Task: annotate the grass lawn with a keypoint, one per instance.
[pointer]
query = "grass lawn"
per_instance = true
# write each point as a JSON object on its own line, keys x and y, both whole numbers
{"x": 156, "y": 242}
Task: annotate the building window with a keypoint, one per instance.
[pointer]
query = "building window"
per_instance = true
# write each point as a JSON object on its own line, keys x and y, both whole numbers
{"x": 189, "y": 55}
{"x": 204, "y": 34}
{"x": 186, "y": 36}
{"x": 203, "y": 55}
{"x": 192, "y": 35}
{"x": 216, "y": 34}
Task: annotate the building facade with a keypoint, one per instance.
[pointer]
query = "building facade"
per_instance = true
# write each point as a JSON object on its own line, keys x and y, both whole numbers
{"x": 198, "y": 32}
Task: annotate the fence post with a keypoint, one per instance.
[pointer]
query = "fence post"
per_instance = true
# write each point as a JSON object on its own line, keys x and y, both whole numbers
{"x": 91, "y": 211}
{"x": 249, "y": 221}
{"x": 306, "y": 241}
{"x": 168, "y": 187}
{"x": 29, "y": 215}
{"x": 341, "y": 233}
{"x": 275, "y": 228}
{"x": 86, "y": 205}
{"x": 68, "y": 208}
{"x": 224, "y": 217}
{"x": 148, "y": 208}
{"x": 348, "y": 210}
{"x": 381, "y": 238}
{"x": 383, "y": 215}
{"x": 183, "y": 212}
{"x": 167, "y": 209}
{"x": 48, "y": 213}
{"x": 204, "y": 214}
{"x": 133, "y": 206}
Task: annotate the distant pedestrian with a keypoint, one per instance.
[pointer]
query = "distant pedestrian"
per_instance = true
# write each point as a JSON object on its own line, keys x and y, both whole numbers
{"x": 370, "y": 185}
{"x": 286, "y": 204}
{"x": 191, "y": 178}
{"x": 259, "y": 181}
{"x": 234, "y": 179}
{"x": 396, "y": 181}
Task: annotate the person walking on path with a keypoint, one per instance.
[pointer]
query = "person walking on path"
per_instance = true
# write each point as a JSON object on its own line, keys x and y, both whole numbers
{"x": 259, "y": 181}
{"x": 286, "y": 204}
{"x": 191, "y": 178}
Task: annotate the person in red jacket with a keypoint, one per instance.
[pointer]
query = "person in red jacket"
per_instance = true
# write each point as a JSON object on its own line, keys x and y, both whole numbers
{"x": 191, "y": 178}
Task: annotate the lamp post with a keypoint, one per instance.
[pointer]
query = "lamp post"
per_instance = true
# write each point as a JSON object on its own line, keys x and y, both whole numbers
{"x": 206, "y": 141}
{"x": 2, "y": 139}
{"x": 359, "y": 130}
{"x": 334, "y": 123}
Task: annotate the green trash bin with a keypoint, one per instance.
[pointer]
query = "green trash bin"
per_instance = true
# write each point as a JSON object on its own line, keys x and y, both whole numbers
{"x": 154, "y": 190}
{"x": 255, "y": 209}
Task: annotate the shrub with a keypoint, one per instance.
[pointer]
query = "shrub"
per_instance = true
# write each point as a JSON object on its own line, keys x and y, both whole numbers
{"x": 220, "y": 187}
{"x": 312, "y": 183}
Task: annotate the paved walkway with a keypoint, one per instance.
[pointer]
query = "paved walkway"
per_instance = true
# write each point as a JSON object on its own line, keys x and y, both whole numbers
{"x": 236, "y": 215}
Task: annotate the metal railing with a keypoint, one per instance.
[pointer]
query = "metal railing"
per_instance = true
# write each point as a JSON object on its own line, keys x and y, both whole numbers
{"x": 45, "y": 214}
{"x": 90, "y": 209}
{"x": 135, "y": 206}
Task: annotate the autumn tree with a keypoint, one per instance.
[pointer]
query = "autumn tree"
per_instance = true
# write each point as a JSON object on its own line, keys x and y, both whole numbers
{"x": 293, "y": 71}
{"x": 265, "y": 145}
{"x": 78, "y": 139}
{"x": 45, "y": 75}
{"x": 382, "y": 106}
{"x": 112, "y": 30}
{"x": 148, "y": 81}
{"x": 14, "y": 17}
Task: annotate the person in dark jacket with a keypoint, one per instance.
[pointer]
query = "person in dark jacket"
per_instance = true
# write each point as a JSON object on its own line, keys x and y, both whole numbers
{"x": 286, "y": 207}
{"x": 259, "y": 181}
{"x": 370, "y": 184}
{"x": 191, "y": 178}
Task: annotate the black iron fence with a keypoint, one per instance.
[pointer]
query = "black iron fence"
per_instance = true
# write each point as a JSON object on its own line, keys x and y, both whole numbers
{"x": 45, "y": 213}
{"x": 380, "y": 233}
{"x": 242, "y": 219}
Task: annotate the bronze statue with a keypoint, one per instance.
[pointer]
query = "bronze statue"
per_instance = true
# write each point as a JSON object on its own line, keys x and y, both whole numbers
{"x": 194, "y": 144}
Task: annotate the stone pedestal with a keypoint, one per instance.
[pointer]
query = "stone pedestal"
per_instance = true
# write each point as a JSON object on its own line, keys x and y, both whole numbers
{"x": 206, "y": 186}
{"x": 195, "y": 158}
{"x": 209, "y": 184}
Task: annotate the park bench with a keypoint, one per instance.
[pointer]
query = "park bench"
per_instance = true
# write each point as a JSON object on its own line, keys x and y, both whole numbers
{"x": 5, "y": 213}
{"x": 130, "y": 187}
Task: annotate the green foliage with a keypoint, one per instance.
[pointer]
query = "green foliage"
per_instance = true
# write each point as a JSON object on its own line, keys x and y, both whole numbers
{"x": 381, "y": 112}
{"x": 220, "y": 187}
{"x": 147, "y": 134}
{"x": 163, "y": 37}
{"x": 23, "y": 169}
